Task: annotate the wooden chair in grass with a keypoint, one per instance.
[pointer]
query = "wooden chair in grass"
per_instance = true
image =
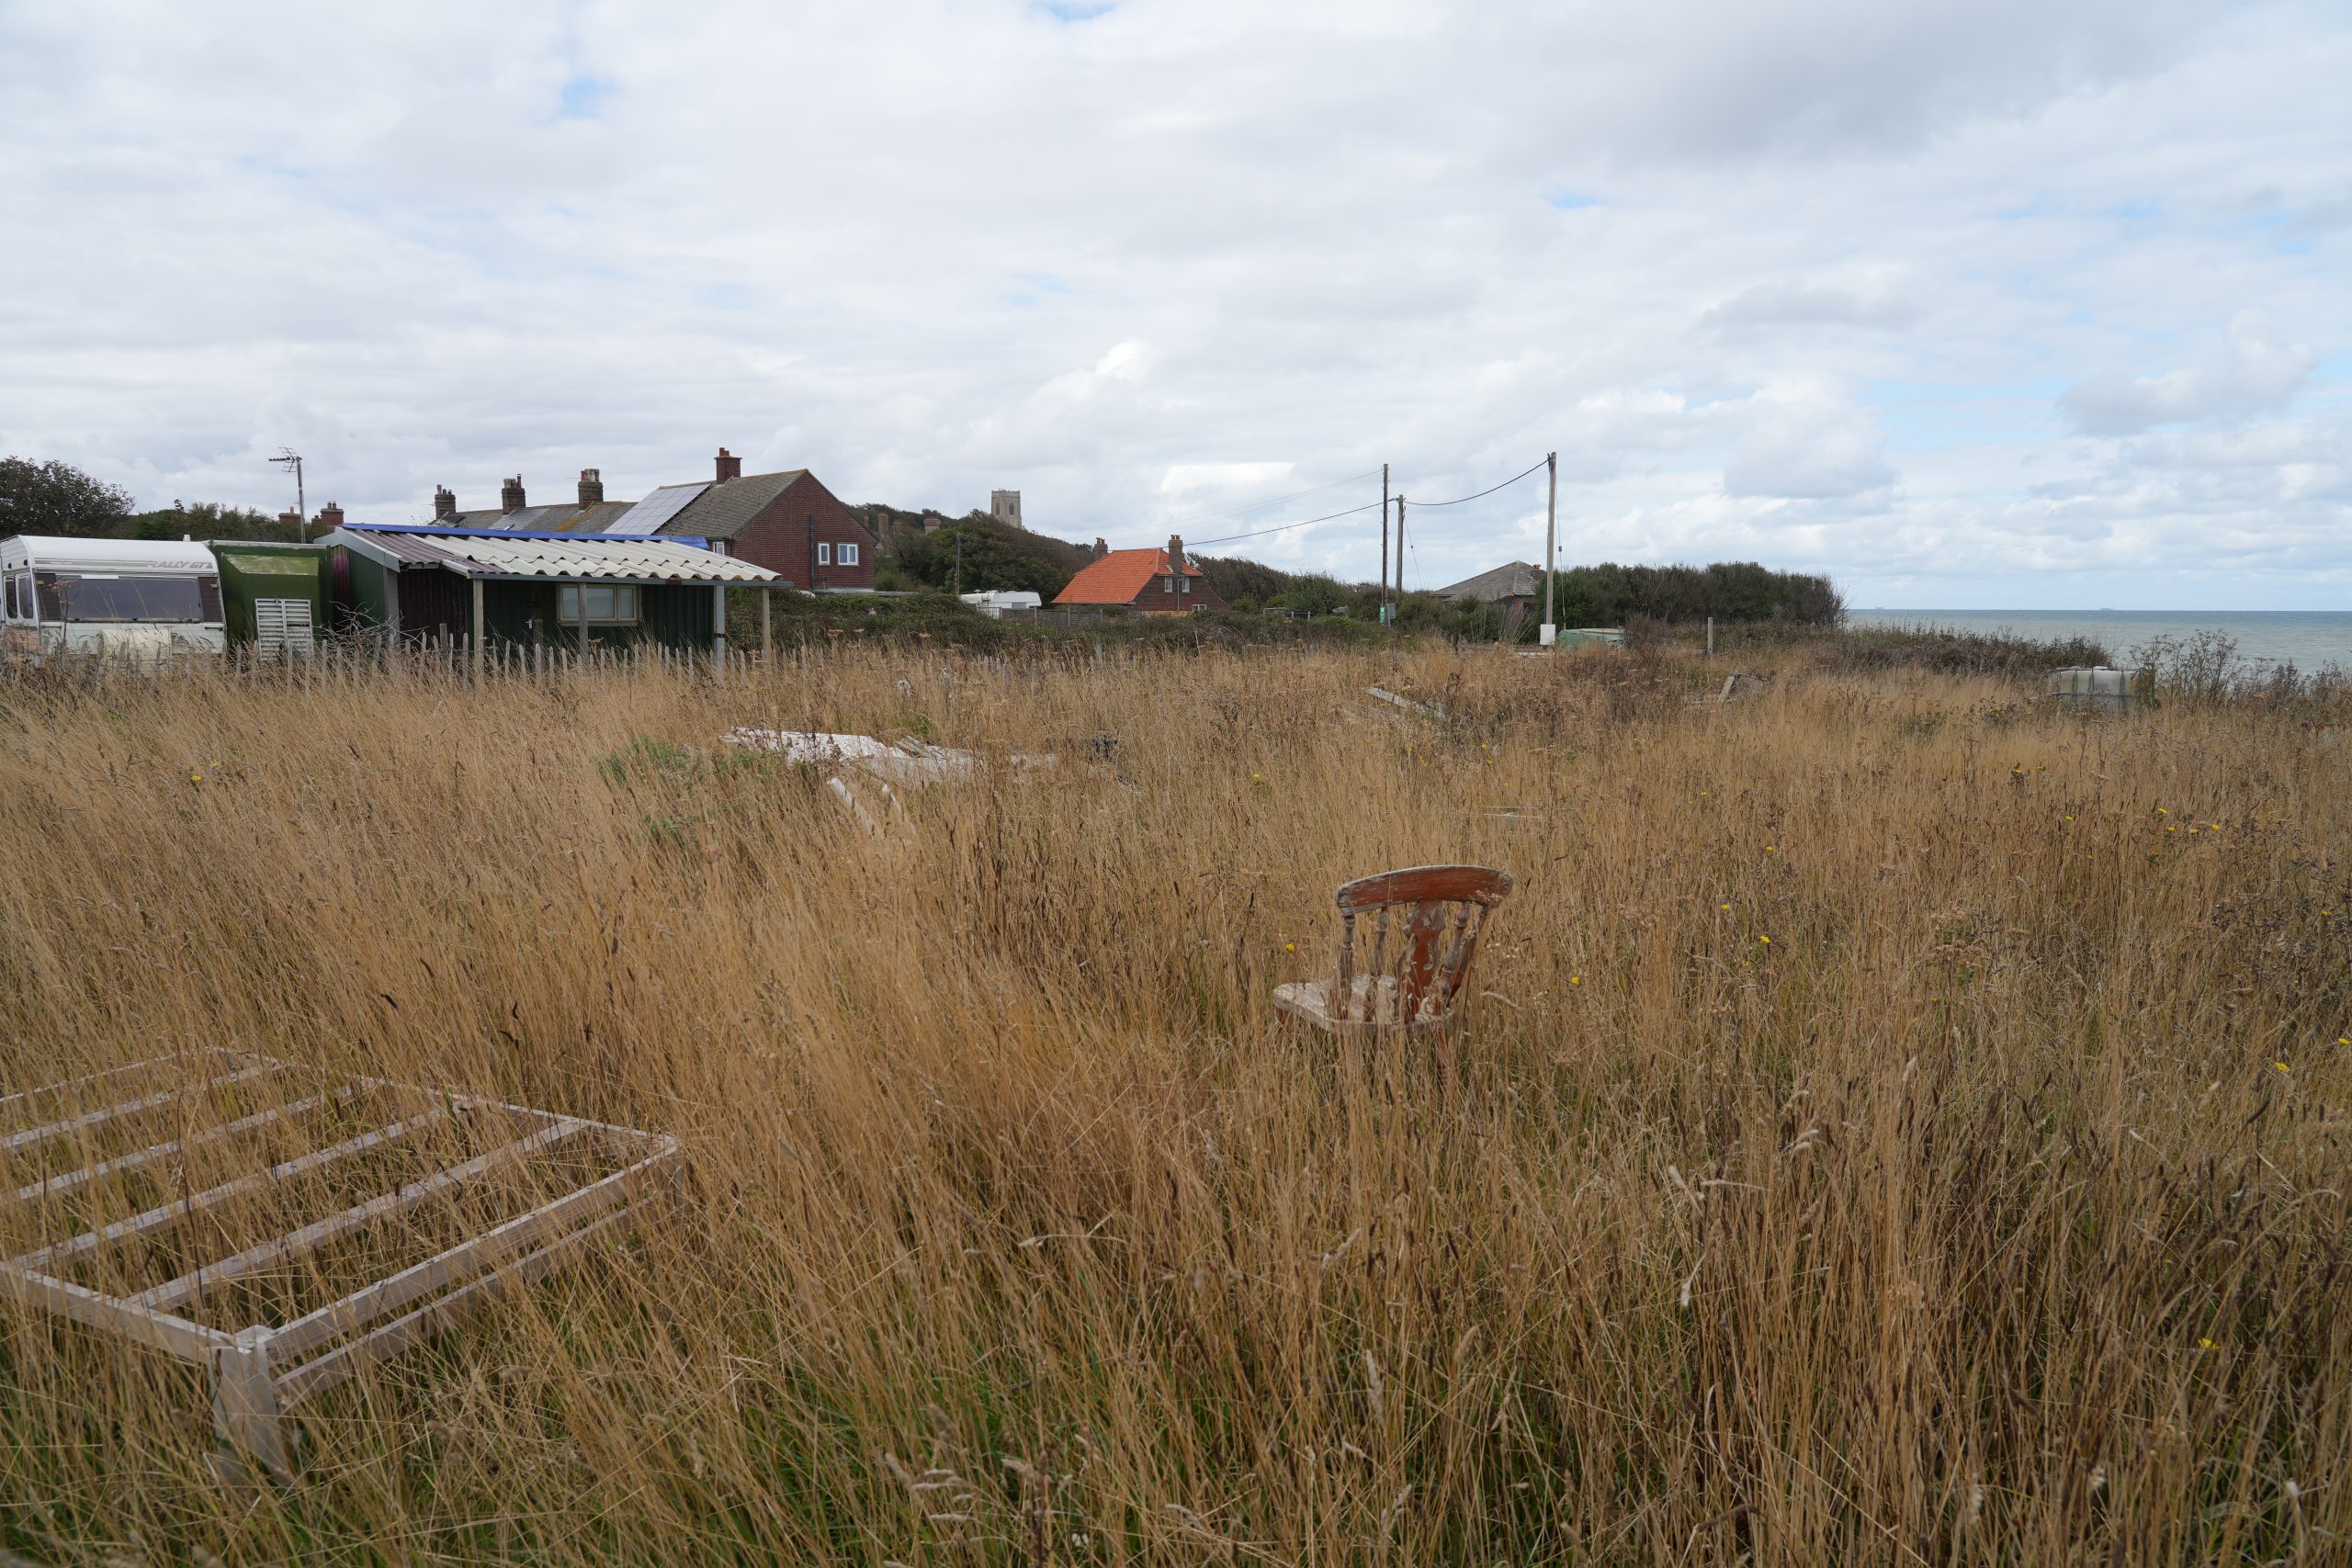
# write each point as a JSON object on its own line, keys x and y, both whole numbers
{"x": 1425, "y": 926}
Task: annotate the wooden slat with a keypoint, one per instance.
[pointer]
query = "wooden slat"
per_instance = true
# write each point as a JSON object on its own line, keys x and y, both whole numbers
{"x": 65, "y": 1182}
{"x": 176, "y": 1336}
{"x": 310, "y": 1238}
{"x": 1422, "y": 883}
{"x": 461, "y": 1263}
{"x": 314, "y": 1377}
{"x": 139, "y": 1225}
{"x": 31, "y": 1136}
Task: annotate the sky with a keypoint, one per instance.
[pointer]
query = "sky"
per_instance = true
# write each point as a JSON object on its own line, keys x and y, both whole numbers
{"x": 1986, "y": 304}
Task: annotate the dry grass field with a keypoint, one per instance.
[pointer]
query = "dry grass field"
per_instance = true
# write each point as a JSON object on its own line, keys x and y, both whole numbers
{"x": 1897, "y": 1124}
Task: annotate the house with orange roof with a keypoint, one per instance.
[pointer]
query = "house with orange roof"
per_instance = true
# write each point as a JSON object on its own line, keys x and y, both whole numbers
{"x": 1153, "y": 583}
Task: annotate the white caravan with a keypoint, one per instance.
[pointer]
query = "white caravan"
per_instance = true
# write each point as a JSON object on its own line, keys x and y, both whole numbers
{"x": 137, "y": 599}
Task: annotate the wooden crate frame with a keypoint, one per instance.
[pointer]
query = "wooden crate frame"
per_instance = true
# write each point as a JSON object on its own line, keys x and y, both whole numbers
{"x": 259, "y": 1373}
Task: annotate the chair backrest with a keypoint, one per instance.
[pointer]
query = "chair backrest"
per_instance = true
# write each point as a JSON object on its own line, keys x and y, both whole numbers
{"x": 1437, "y": 912}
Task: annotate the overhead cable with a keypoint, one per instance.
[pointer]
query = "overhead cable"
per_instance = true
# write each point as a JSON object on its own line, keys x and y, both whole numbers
{"x": 1424, "y": 506}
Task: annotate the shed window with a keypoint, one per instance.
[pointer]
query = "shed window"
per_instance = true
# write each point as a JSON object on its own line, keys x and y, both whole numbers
{"x": 845, "y": 555}
{"x": 607, "y": 604}
{"x": 824, "y": 555}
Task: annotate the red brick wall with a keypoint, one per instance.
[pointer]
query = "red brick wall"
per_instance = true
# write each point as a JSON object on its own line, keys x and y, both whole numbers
{"x": 780, "y": 537}
{"x": 1155, "y": 599}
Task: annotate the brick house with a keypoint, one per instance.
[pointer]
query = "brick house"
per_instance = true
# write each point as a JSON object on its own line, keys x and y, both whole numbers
{"x": 1154, "y": 581}
{"x": 788, "y": 523}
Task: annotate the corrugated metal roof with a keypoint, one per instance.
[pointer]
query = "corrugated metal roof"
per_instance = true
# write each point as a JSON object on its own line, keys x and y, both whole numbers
{"x": 648, "y": 516}
{"x": 722, "y": 511}
{"x": 575, "y": 556}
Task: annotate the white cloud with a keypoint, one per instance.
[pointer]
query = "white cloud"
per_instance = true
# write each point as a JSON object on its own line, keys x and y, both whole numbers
{"x": 1807, "y": 283}
{"x": 2263, "y": 377}
{"x": 1806, "y": 442}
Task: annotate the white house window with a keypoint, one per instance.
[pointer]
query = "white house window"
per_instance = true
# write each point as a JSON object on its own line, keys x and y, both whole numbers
{"x": 845, "y": 555}
{"x": 606, "y": 603}
{"x": 824, "y": 555}
{"x": 1188, "y": 585}
{"x": 1169, "y": 583}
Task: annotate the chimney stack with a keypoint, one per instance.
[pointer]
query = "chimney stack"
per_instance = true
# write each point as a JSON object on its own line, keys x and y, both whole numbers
{"x": 510, "y": 496}
{"x": 730, "y": 467}
{"x": 330, "y": 517}
{"x": 1175, "y": 552}
{"x": 1100, "y": 549}
{"x": 445, "y": 503}
{"x": 592, "y": 487}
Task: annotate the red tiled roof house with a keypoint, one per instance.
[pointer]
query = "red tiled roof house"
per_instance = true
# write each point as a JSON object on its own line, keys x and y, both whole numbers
{"x": 1154, "y": 581}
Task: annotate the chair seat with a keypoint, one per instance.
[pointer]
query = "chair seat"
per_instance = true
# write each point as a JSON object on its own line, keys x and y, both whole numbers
{"x": 1372, "y": 1005}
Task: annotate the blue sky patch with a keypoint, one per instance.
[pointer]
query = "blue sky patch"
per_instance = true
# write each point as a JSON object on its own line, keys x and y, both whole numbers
{"x": 584, "y": 97}
{"x": 1077, "y": 10}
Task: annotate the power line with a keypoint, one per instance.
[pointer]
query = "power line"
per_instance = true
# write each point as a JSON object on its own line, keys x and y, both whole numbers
{"x": 1489, "y": 490}
{"x": 1263, "y": 505}
{"x": 1286, "y": 527}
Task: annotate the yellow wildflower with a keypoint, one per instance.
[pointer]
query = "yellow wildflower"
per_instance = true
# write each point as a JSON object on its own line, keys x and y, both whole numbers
{"x": 1765, "y": 939}
{"x": 2282, "y": 1066}
{"x": 2205, "y": 1343}
{"x": 1576, "y": 979}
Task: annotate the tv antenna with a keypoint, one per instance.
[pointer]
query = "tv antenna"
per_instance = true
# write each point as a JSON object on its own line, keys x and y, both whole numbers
{"x": 287, "y": 458}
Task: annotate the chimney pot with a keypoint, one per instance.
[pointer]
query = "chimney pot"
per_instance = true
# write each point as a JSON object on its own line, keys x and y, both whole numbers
{"x": 1175, "y": 552}
{"x": 1100, "y": 549}
{"x": 445, "y": 503}
{"x": 510, "y": 496}
{"x": 592, "y": 487}
{"x": 730, "y": 467}
{"x": 330, "y": 517}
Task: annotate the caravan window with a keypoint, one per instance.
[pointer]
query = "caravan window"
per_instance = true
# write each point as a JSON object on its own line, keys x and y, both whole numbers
{"x": 12, "y": 598}
{"x": 117, "y": 596}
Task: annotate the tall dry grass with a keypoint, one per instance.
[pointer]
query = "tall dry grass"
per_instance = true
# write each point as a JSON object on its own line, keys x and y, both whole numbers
{"x": 1901, "y": 1124}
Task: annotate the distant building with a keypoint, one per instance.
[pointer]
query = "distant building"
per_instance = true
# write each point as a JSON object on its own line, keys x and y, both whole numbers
{"x": 1514, "y": 586}
{"x": 1155, "y": 581}
{"x": 1004, "y": 505}
{"x": 786, "y": 521}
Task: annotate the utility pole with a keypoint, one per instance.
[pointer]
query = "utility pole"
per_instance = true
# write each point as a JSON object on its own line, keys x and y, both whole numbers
{"x": 1400, "y": 552}
{"x": 1384, "y": 544}
{"x": 287, "y": 458}
{"x": 1551, "y": 546}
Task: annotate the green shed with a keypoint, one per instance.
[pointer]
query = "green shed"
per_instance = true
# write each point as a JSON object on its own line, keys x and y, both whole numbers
{"x": 273, "y": 595}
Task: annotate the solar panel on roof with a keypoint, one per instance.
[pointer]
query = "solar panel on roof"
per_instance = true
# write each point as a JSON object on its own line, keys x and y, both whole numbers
{"x": 648, "y": 516}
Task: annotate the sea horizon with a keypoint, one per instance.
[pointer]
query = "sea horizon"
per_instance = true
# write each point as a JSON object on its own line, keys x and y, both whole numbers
{"x": 2306, "y": 638}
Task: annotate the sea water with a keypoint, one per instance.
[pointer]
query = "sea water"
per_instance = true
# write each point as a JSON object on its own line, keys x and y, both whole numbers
{"x": 2310, "y": 639}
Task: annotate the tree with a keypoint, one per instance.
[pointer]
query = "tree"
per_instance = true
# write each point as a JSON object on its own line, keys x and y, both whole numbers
{"x": 993, "y": 557}
{"x": 57, "y": 498}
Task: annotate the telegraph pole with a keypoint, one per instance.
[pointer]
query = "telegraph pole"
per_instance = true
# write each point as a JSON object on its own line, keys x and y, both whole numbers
{"x": 287, "y": 458}
{"x": 1551, "y": 545}
{"x": 1400, "y": 552}
{"x": 1384, "y": 544}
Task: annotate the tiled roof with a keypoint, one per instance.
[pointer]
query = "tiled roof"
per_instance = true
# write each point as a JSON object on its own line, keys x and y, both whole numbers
{"x": 1515, "y": 580}
{"x": 1117, "y": 578}
{"x": 503, "y": 555}
{"x": 723, "y": 510}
